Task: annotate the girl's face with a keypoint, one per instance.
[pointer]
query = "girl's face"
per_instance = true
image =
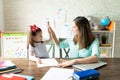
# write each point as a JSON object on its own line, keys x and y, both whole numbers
{"x": 75, "y": 29}
{"x": 38, "y": 37}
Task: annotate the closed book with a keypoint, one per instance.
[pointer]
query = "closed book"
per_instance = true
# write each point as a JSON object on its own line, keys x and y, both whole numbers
{"x": 15, "y": 70}
{"x": 86, "y": 74}
{"x": 28, "y": 77}
{"x": 11, "y": 77}
{"x": 5, "y": 65}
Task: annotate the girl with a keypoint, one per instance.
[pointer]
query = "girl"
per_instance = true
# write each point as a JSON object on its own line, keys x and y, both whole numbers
{"x": 37, "y": 47}
{"x": 83, "y": 44}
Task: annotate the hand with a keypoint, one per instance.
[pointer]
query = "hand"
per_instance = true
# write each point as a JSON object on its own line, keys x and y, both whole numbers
{"x": 32, "y": 53}
{"x": 49, "y": 27}
{"x": 66, "y": 63}
{"x": 39, "y": 61}
{"x": 48, "y": 24}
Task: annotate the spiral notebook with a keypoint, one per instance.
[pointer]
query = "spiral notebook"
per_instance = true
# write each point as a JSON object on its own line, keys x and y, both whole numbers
{"x": 89, "y": 66}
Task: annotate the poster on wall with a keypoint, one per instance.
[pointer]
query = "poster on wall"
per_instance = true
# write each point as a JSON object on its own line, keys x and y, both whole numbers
{"x": 14, "y": 45}
{"x": 62, "y": 27}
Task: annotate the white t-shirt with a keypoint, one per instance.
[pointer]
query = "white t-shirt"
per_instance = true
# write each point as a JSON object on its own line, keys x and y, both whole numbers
{"x": 39, "y": 50}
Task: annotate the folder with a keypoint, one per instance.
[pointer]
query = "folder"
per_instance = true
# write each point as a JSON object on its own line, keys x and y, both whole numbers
{"x": 25, "y": 76}
{"x": 11, "y": 77}
{"x": 89, "y": 74}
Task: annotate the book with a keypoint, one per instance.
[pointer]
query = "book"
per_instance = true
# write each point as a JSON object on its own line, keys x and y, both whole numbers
{"x": 6, "y": 65}
{"x": 88, "y": 66}
{"x": 11, "y": 77}
{"x": 25, "y": 76}
{"x": 15, "y": 70}
{"x": 111, "y": 26}
{"x": 89, "y": 74}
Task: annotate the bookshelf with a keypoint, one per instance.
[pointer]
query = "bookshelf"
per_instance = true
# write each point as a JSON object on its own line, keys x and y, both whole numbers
{"x": 107, "y": 49}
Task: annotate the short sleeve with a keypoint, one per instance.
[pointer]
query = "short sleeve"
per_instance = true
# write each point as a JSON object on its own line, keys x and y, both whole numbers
{"x": 96, "y": 49}
{"x": 31, "y": 48}
{"x": 64, "y": 43}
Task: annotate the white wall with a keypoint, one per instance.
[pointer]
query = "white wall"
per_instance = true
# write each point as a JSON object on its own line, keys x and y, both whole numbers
{"x": 1, "y": 20}
{"x": 1, "y": 16}
{"x": 19, "y": 14}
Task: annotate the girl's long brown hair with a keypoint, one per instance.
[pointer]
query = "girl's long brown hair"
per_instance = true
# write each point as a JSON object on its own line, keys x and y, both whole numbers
{"x": 85, "y": 36}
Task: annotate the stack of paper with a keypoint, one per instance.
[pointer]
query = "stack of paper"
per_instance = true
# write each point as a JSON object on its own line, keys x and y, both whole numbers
{"x": 58, "y": 74}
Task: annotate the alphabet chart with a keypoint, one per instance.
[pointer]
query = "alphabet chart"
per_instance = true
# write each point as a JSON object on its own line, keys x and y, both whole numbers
{"x": 14, "y": 45}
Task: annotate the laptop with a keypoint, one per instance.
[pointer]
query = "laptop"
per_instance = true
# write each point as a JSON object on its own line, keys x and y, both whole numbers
{"x": 89, "y": 66}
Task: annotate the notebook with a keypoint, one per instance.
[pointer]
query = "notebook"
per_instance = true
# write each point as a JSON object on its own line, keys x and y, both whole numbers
{"x": 89, "y": 66}
{"x": 16, "y": 70}
{"x": 5, "y": 65}
{"x": 28, "y": 77}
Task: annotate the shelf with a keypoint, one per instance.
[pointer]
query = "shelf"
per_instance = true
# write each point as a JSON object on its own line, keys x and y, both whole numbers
{"x": 105, "y": 45}
{"x": 102, "y": 31}
{"x": 104, "y": 55}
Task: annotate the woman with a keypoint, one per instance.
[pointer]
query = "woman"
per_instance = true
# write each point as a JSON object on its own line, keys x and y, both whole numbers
{"x": 83, "y": 44}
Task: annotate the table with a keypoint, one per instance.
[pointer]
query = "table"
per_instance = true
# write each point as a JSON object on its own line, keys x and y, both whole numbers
{"x": 109, "y": 72}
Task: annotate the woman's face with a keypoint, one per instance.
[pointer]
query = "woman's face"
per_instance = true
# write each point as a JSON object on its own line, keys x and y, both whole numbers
{"x": 38, "y": 37}
{"x": 75, "y": 29}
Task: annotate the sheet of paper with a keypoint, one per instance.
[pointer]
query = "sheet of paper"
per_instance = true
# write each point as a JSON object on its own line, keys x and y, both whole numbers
{"x": 33, "y": 58}
{"x": 47, "y": 62}
{"x": 58, "y": 74}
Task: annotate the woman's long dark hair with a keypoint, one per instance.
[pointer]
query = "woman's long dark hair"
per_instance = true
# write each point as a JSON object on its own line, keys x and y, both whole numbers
{"x": 85, "y": 36}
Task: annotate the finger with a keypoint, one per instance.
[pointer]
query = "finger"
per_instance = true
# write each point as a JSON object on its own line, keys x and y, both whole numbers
{"x": 48, "y": 24}
{"x": 59, "y": 65}
{"x": 62, "y": 65}
{"x": 63, "y": 60}
{"x": 39, "y": 61}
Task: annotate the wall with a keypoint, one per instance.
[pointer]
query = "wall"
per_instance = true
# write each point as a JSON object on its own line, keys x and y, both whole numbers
{"x": 1, "y": 16}
{"x": 1, "y": 20}
{"x": 19, "y": 14}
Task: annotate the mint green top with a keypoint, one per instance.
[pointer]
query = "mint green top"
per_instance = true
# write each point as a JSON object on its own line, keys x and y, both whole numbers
{"x": 75, "y": 53}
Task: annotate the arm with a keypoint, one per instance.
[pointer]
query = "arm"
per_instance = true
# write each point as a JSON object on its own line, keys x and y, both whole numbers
{"x": 90, "y": 59}
{"x": 53, "y": 34}
{"x": 31, "y": 53}
{"x": 50, "y": 37}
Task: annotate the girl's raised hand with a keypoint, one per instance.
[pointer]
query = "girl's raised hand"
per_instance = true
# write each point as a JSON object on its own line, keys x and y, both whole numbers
{"x": 48, "y": 24}
{"x": 49, "y": 27}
